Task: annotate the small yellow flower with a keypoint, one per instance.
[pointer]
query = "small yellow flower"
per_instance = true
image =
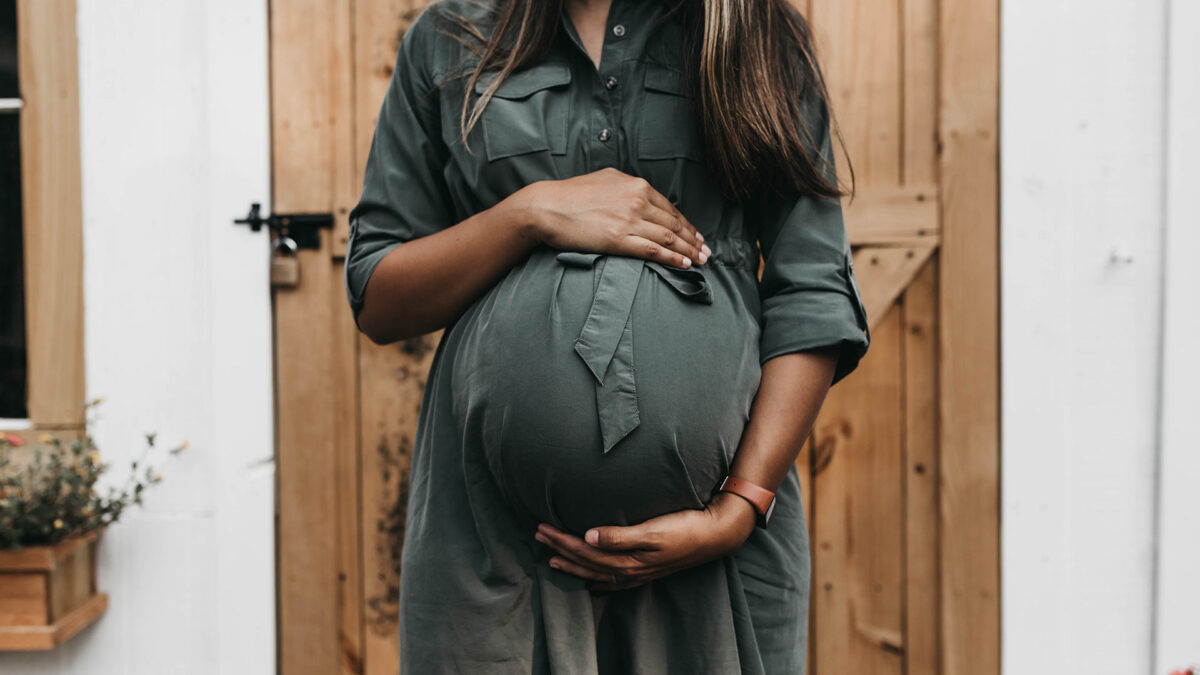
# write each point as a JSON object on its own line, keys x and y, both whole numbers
{"x": 97, "y": 401}
{"x": 94, "y": 457}
{"x": 87, "y": 510}
{"x": 58, "y": 523}
{"x": 45, "y": 438}
{"x": 184, "y": 444}
{"x": 158, "y": 479}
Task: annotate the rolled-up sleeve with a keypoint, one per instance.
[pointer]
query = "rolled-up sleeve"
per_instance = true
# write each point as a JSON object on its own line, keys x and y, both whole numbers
{"x": 810, "y": 297}
{"x": 404, "y": 193}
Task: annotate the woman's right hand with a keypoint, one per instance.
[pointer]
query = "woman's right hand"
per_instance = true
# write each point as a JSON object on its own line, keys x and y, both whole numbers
{"x": 609, "y": 211}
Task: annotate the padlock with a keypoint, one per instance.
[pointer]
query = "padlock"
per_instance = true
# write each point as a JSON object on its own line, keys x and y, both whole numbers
{"x": 285, "y": 264}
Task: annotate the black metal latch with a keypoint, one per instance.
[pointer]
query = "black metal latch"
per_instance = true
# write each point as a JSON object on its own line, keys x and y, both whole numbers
{"x": 301, "y": 228}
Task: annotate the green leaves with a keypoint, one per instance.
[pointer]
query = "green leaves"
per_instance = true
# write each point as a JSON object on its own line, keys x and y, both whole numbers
{"x": 48, "y": 491}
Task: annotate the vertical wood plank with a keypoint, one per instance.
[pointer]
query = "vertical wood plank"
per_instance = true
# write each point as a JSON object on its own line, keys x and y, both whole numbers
{"x": 312, "y": 130}
{"x": 308, "y": 538}
{"x": 348, "y": 456}
{"x": 920, "y": 36}
{"x": 969, "y": 376}
{"x": 859, "y": 515}
{"x": 922, "y": 621}
{"x": 858, "y": 45}
{"x": 393, "y": 380}
{"x": 52, "y": 202}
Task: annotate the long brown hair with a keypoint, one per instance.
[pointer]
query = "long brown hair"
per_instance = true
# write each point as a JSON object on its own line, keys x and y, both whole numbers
{"x": 752, "y": 64}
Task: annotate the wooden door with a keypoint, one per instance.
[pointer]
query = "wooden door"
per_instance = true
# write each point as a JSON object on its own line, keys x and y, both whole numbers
{"x": 901, "y": 472}
{"x": 903, "y": 464}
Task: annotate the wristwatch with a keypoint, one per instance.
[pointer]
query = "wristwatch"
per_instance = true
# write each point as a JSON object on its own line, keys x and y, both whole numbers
{"x": 761, "y": 498}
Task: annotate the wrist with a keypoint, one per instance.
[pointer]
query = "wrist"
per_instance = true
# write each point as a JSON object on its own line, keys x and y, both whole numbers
{"x": 527, "y": 217}
{"x": 734, "y": 513}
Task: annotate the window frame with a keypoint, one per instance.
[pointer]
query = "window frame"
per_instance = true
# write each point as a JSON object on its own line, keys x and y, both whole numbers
{"x": 52, "y": 227}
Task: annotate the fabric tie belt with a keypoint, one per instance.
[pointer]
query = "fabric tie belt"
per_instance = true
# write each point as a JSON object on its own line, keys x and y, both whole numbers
{"x": 606, "y": 341}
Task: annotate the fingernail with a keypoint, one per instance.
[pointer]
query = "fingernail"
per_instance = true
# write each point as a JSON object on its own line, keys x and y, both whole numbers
{"x": 592, "y": 537}
{"x": 707, "y": 250}
{"x": 687, "y": 262}
{"x": 703, "y": 257}
{"x": 700, "y": 237}
{"x": 541, "y": 538}
{"x": 555, "y": 564}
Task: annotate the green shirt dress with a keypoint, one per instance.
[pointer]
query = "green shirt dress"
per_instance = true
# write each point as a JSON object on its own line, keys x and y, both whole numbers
{"x": 587, "y": 389}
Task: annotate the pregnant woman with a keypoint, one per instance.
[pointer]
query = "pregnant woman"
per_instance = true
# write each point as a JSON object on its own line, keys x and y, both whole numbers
{"x": 578, "y": 191}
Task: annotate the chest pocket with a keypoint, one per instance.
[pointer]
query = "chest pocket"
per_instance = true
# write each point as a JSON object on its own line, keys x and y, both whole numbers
{"x": 528, "y": 111}
{"x": 668, "y": 123}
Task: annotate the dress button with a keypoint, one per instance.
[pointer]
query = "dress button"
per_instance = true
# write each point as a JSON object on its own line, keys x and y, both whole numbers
{"x": 619, "y": 30}
{"x": 610, "y": 82}
{"x": 604, "y": 134}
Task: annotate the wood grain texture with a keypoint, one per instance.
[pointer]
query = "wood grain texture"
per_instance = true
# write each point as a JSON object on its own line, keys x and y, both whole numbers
{"x": 47, "y": 593}
{"x": 348, "y": 456}
{"x": 858, "y": 45}
{"x": 27, "y": 638}
{"x": 969, "y": 327}
{"x": 920, "y": 58}
{"x": 52, "y": 204}
{"x": 24, "y": 599}
{"x": 859, "y": 519}
{"x": 393, "y": 379}
{"x": 894, "y": 216}
{"x": 312, "y": 134}
{"x": 43, "y": 558}
{"x": 922, "y": 589}
{"x": 884, "y": 274}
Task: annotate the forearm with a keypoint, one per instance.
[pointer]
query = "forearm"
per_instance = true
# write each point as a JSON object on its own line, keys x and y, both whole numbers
{"x": 790, "y": 395}
{"x": 425, "y": 283}
{"x": 791, "y": 392}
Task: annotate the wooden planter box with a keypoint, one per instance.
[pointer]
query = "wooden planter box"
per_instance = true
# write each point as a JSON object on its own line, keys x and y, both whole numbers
{"x": 48, "y": 593}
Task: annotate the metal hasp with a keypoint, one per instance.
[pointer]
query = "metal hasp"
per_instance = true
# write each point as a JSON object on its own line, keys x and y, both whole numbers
{"x": 300, "y": 227}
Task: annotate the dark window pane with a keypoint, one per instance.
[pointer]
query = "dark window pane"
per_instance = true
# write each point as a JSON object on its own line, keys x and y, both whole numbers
{"x": 8, "y": 49}
{"x": 12, "y": 273}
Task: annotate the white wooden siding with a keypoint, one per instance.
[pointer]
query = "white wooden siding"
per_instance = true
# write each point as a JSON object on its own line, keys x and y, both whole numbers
{"x": 1085, "y": 96}
{"x": 1177, "y": 634}
{"x": 175, "y": 143}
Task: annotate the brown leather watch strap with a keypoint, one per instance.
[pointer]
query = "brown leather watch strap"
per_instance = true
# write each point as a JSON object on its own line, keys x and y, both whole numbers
{"x": 761, "y": 498}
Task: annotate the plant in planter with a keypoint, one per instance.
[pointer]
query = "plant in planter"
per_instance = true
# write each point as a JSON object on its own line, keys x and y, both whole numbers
{"x": 51, "y": 516}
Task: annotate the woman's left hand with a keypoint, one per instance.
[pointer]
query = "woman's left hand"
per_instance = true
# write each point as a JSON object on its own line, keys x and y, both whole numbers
{"x": 660, "y": 546}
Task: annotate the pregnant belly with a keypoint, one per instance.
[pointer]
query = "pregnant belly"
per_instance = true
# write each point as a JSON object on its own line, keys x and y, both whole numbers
{"x": 606, "y": 390}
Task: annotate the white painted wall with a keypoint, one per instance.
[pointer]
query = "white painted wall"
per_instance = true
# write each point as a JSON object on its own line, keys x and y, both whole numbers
{"x": 174, "y": 115}
{"x": 1085, "y": 93}
{"x": 1177, "y": 639}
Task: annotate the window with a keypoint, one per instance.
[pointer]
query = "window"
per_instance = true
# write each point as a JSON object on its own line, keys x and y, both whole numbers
{"x": 41, "y": 236}
{"x": 13, "y": 365}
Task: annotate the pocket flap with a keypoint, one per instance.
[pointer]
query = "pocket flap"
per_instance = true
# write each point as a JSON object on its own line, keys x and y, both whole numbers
{"x": 664, "y": 79}
{"x": 523, "y": 82}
